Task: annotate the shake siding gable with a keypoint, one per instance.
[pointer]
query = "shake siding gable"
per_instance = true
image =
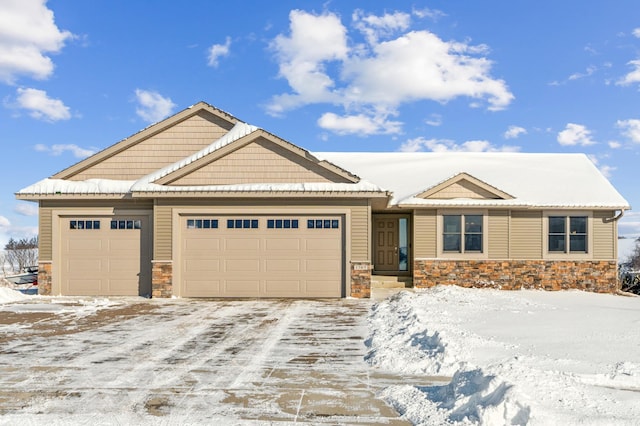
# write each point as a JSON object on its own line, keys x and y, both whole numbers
{"x": 159, "y": 150}
{"x": 258, "y": 162}
{"x": 463, "y": 189}
{"x": 526, "y": 235}
{"x": 498, "y": 234}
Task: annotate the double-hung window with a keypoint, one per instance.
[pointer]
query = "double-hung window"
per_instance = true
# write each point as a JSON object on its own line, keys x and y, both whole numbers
{"x": 568, "y": 234}
{"x": 462, "y": 233}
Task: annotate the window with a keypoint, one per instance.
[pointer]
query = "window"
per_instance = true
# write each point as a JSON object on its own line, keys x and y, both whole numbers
{"x": 202, "y": 223}
{"x": 242, "y": 223}
{"x": 462, "y": 233}
{"x": 282, "y": 223}
{"x": 126, "y": 224}
{"x": 84, "y": 224}
{"x": 323, "y": 223}
{"x": 568, "y": 234}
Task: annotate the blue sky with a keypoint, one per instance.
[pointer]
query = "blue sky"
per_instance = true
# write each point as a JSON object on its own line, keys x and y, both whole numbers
{"x": 529, "y": 76}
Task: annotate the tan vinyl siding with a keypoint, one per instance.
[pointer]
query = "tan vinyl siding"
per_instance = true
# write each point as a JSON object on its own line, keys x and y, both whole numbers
{"x": 526, "y": 235}
{"x": 360, "y": 222}
{"x": 604, "y": 235}
{"x": 162, "y": 249}
{"x": 45, "y": 235}
{"x": 498, "y": 234}
{"x": 463, "y": 189}
{"x": 162, "y": 149}
{"x": 259, "y": 162}
{"x": 424, "y": 234}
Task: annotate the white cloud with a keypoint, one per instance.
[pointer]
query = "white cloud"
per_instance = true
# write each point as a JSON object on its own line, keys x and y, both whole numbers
{"x": 313, "y": 41}
{"x": 26, "y": 209}
{"x": 575, "y": 134}
{"x": 408, "y": 66}
{"x": 589, "y": 72}
{"x": 59, "y": 149}
{"x": 27, "y": 33}
{"x": 375, "y": 27}
{"x": 633, "y": 76}
{"x": 40, "y": 106}
{"x": 447, "y": 145}
{"x": 434, "y": 120}
{"x": 358, "y": 124}
{"x": 605, "y": 169}
{"x": 636, "y": 32}
{"x": 153, "y": 107}
{"x": 218, "y": 51}
{"x": 514, "y": 132}
{"x": 433, "y": 14}
{"x": 614, "y": 144}
{"x": 630, "y": 129}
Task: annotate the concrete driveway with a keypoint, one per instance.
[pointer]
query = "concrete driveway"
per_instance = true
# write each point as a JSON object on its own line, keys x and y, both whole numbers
{"x": 133, "y": 361}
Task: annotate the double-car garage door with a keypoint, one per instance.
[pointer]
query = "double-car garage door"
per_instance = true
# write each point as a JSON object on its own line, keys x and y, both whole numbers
{"x": 261, "y": 256}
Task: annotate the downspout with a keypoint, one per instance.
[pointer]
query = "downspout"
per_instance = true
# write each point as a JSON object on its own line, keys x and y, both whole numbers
{"x": 615, "y": 218}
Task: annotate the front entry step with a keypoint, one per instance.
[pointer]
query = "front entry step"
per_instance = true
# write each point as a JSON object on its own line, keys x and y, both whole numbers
{"x": 390, "y": 281}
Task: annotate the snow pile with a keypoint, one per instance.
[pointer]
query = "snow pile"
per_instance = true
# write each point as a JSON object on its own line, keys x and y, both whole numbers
{"x": 8, "y": 295}
{"x": 525, "y": 357}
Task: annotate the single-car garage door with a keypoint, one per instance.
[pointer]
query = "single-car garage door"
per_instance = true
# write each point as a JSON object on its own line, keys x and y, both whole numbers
{"x": 106, "y": 256}
{"x": 261, "y": 256}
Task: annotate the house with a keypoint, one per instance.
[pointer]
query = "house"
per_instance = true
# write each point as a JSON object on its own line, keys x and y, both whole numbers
{"x": 205, "y": 205}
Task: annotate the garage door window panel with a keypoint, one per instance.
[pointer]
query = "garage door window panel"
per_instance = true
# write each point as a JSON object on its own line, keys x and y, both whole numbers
{"x": 126, "y": 224}
{"x": 282, "y": 224}
{"x": 84, "y": 224}
{"x": 202, "y": 223}
{"x": 242, "y": 224}
{"x": 323, "y": 224}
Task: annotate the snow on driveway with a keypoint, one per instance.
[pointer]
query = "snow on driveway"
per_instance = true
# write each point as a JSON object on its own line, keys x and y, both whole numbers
{"x": 133, "y": 361}
{"x": 516, "y": 357}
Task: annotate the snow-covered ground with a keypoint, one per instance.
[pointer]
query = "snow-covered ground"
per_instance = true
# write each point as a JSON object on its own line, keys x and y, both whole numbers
{"x": 134, "y": 361}
{"x": 445, "y": 355}
{"x": 522, "y": 357}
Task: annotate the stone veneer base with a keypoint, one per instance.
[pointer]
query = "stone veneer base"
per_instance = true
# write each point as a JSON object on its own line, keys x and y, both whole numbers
{"x": 44, "y": 278}
{"x": 596, "y": 276}
{"x": 361, "y": 280}
{"x": 162, "y": 278}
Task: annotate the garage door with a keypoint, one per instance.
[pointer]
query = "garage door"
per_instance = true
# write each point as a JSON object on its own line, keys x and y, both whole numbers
{"x": 261, "y": 256}
{"x": 106, "y": 256}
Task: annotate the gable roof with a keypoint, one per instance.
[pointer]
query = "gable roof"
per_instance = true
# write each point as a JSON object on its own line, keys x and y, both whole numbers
{"x": 144, "y": 134}
{"x": 157, "y": 183}
{"x": 481, "y": 189}
{"x": 407, "y": 179}
{"x": 531, "y": 179}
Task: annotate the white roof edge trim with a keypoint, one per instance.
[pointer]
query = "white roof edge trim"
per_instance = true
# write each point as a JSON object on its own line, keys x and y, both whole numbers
{"x": 466, "y": 202}
{"x": 90, "y": 186}
{"x": 362, "y": 186}
{"x": 239, "y": 130}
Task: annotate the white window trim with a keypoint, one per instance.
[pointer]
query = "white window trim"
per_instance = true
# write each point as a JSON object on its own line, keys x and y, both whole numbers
{"x": 471, "y": 255}
{"x": 546, "y": 254}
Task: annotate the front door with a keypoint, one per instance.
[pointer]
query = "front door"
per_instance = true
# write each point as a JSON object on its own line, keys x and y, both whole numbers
{"x": 390, "y": 242}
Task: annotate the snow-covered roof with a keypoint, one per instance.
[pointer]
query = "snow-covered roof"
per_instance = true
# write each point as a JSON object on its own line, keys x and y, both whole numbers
{"x": 71, "y": 187}
{"x": 541, "y": 180}
{"x": 529, "y": 180}
{"x": 146, "y": 183}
